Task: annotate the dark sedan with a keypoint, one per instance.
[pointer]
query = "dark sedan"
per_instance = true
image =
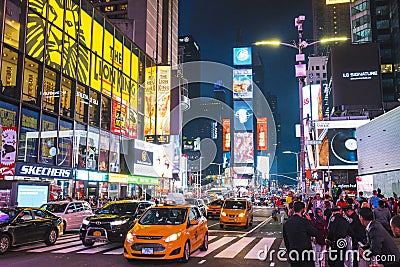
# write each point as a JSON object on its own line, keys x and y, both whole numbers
{"x": 25, "y": 225}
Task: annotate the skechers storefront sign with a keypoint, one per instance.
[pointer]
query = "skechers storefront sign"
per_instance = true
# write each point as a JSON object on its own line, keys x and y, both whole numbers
{"x": 40, "y": 171}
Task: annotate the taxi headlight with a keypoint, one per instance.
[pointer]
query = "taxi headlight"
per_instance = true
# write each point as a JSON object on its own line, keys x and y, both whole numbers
{"x": 172, "y": 237}
{"x": 85, "y": 222}
{"x": 119, "y": 222}
{"x": 242, "y": 214}
{"x": 129, "y": 237}
{"x": 223, "y": 213}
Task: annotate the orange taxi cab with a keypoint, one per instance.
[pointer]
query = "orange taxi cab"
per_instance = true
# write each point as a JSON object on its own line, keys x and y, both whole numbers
{"x": 167, "y": 232}
{"x": 236, "y": 212}
{"x": 214, "y": 208}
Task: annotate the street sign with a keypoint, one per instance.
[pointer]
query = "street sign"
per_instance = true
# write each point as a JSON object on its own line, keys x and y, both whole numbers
{"x": 313, "y": 142}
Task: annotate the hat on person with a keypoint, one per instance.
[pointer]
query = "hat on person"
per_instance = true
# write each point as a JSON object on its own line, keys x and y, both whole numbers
{"x": 346, "y": 208}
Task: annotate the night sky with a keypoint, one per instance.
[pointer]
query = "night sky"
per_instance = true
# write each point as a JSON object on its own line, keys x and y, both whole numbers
{"x": 214, "y": 25}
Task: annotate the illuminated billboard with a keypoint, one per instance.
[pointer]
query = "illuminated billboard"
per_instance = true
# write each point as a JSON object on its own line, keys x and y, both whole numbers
{"x": 119, "y": 119}
{"x": 333, "y": 2}
{"x": 338, "y": 148}
{"x": 243, "y": 148}
{"x": 242, "y": 56}
{"x": 226, "y": 134}
{"x": 312, "y": 102}
{"x": 242, "y": 83}
{"x": 150, "y": 101}
{"x": 262, "y": 134}
{"x": 356, "y": 75}
{"x": 163, "y": 100}
{"x": 243, "y": 114}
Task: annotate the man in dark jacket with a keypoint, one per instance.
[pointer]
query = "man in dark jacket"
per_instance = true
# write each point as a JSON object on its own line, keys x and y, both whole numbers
{"x": 357, "y": 230}
{"x": 297, "y": 233}
{"x": 381, "y": 244}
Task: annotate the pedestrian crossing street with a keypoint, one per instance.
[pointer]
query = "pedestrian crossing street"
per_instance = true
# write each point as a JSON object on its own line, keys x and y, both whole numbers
{"x": 227, "y": 247}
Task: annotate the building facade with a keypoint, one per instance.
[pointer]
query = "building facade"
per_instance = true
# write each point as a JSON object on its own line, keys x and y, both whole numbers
{"x": 75, "y": 94}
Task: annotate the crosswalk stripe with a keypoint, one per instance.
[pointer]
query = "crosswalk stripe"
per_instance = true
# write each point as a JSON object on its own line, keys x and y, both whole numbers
{"x": 211, "y": 237}
{"x": 99, "y": 249}
{"x": 214, "y": 245}
{"x": 263, "y": 244}
{"x": 28, "y": 247}
{"x": 234, "y": 249}
{"x": 74, "y": 248}
{"x": 117, "y": 251}
{"x": 49, "y": 248}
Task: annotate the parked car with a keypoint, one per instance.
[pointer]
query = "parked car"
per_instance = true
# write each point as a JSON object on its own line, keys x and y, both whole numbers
{"x": 19, "y": 226}
{"x": 167, "y": 232}
{"x": 72, "y": 212}
{"x": 112, "y": 222}
{"x": 199, "y": 203}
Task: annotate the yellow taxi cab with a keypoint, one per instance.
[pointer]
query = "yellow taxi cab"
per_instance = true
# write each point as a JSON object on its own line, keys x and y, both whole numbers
{"x": 167, "y": 232}
{"x": 214, "y": 208}
{"x": 236, "y": 212}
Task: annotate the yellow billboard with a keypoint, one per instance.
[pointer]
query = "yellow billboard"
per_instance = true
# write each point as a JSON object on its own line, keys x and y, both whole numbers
{"x": 163, "y": 100}
{"x": 135, "y": 67}
{"x": 127, "y": 61}
{"x": 150, "y": 101}
{"x": 133, "y": 95}
{"x": 35, "y": 36}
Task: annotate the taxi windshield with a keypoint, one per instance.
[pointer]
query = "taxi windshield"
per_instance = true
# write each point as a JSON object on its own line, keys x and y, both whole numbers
{"x": 164, "y": 216}
{"x": 236, "y": 205}
{"x": 216, "y": 203}
{"x": 55, "y": 207}
{"x": 119, "y": 208}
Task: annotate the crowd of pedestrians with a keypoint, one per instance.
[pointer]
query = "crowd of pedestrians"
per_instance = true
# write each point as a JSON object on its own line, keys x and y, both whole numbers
{"x": 346, "y": 231}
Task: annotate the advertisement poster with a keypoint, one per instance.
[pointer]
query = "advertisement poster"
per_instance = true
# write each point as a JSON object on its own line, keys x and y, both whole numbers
{"x": 243, "y": 150}
{"x": 262, "y": 134}
{"x": 163, "y": 100}
{"x": 242, "y": 83}
{"x": 8, "y": 150}
{"x": 119, "y": 120}
{"x": 243, "y": 116}
{"x": 312, "y": 102}
{"x": 242, "y": 56}
{"x": 150, "y": 101}
{"x": 132, "y": 123}
{"x": 226, "y": 134}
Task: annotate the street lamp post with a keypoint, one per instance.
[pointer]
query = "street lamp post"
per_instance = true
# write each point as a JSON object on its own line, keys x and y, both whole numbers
{"x": 219, "y": 172}
{"x": 301, "y": 73}
{"x": 299, "y": 182}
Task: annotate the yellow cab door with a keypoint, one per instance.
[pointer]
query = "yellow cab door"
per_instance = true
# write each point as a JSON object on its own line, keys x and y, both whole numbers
{"x": 193, "y": 229}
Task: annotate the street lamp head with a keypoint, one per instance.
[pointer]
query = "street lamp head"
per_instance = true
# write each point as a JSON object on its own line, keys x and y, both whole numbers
{"x": 268, "y": 42}
{"x": 334, "y": 39}
{"x": 289, "y": 152}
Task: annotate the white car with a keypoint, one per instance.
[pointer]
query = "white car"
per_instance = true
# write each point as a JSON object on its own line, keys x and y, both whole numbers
{"x": 72, "y": 212}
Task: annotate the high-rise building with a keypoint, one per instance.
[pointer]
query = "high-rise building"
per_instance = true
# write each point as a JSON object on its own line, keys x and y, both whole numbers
{"x": 189, "y": 51}
{"x": 152, "y": 24}
{"x": 329, "y": 21}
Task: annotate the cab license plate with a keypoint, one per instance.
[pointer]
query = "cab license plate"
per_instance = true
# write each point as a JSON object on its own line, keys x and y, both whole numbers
{"x": 147, "y": 251}
{"x": 97, "y": 233}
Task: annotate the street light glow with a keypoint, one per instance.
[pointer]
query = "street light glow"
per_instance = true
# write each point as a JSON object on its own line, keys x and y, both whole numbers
{"x": 270, "y": 42}
{"x": 334, "y": 39}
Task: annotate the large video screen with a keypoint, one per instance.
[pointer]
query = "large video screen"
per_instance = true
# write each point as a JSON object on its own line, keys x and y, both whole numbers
{"x": 356, "y": 75}
{"x": 244, "y": 149}
{"x": 243, "y": 116}
{"x": 32, "y": 195}
{"x": 242, "y": 83}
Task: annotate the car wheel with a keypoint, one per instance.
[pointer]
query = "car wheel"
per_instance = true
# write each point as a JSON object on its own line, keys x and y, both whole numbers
{"x": 204, "y": 246}
{"x": 65, "y": 226}
{"x": 186, "y": 253}
{"x": 87, "y": 242}
{"x": 5, "y": 243}
{"x": 251, "y": 221}
{"x": 247, "y": 224}
{"x": 51, "y": 237}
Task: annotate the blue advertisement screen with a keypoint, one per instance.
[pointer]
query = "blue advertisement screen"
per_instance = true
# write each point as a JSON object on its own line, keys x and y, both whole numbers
{"x": 241, "y": 56}
{"x": 32, "y": 195}
{"x": 243, "y": 116}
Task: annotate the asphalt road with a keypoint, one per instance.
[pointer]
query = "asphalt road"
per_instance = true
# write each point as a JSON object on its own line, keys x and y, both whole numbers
{"x": 229, "y": 247}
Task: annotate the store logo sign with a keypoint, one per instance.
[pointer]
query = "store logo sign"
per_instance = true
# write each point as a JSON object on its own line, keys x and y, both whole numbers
{"x": 30, "y": 170}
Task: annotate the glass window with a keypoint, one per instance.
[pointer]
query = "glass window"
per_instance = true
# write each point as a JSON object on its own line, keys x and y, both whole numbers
{"x": 382, "y": 24}
{"x": 114, "y": 153}
{"x": 28, "y": 136}
{"x": 65, "y": 143}
{"x": 81, "y": 104}
{"x": 386, "y": 68}
{"x": 9, "y": 73}
{"x": 94, "y": 108}
{"x": 51, "y": 92}
{"x": 39, "y": 214}
{"x": 104, "y": 151}
{"x": 31, "y": 80}
{"x": 92, "y": 155}
{"x": 105, "y": 113}
{"x": 48, "y": 137}
{"x": 78, "y": 206}
{"x": 54, "y": 47}
{"x": 70, "y": 39}
{"x": 35, "y": 35}
{"x": 12, "y": 23}
{"x": 81, "y": 136}
{"x": 66, "y": 99}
